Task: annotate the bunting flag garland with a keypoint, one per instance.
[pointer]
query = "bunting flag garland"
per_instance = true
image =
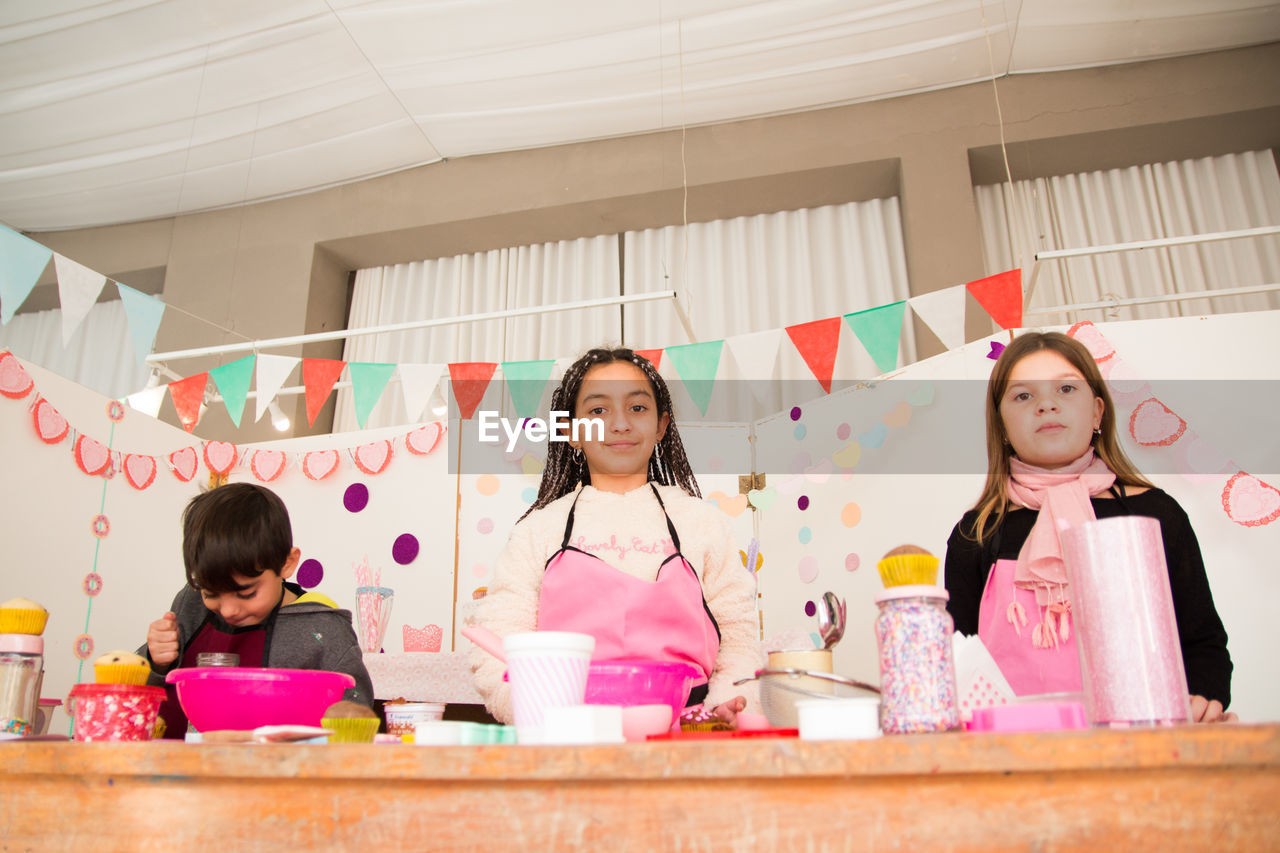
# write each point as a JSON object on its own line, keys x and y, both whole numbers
{"x": 51, "y": 426}
{"x": 756, "y": 354}
{"x": 424, "y": 439}
{"x": 697, "y": 365}
{"x": 78, "y": 289}
{"x": 183, "y": 463}
{"x": 272, "y": 371}
{"x": 470, "y": 380}
{"x": 92, "y": 457}
{"x": 372, "y": 458}
{"x": 232, "y": 381}
{"x": 1000, "y": 295}
{"x": 417, "y": 383}
{"x": 139, "y": 470}
{"x": 653, "y": 355}
{"x": 220, "y": 457}
{"x": 144, "y": 314}
{"x": 943, "y": 312}
{"x": 187, "y": 395}
{"x": 24, "y": 261}
{"x": 817, "y": 342}
{"x": 879, "y": 330}
{"x": 319, "y": 464}
{"x": 526, "y": 382}
{"x": 15, "y": 382}
{"x": 148, "y": 400}
{"x": 318, "y": 377}
{"x": 368, "y": 380}
{"x": 267, "y": 465}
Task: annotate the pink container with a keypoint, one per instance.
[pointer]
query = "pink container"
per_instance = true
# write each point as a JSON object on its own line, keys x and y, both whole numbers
{"x": 1029, "y": 717}
{"x": 114, "y": 711}
{"x": 242, "y": 698}
{"x": 641, "y": 682}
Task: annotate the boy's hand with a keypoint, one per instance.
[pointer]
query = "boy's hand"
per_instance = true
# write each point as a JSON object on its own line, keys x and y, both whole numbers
{"x": 162, "y": 640}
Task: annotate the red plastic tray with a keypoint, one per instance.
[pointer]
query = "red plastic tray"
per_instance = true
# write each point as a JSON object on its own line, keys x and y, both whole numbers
{"x": 726, "y": 735}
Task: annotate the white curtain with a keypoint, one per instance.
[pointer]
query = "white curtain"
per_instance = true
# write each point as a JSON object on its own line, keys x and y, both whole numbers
{"x": 100, "y": 354}
{"x": 1226, "y": 193}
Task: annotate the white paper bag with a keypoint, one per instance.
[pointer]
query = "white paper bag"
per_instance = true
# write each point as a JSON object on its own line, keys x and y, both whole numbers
{"x": 979, "y": 682}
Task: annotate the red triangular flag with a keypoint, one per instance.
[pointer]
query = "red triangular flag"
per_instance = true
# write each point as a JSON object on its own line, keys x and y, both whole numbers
{"x": 318, "y": 377}
{"x": 1000, "y": 295}
{"x": 469, "y": 380}
{"x": 187, "y": 395}
{"x": 817, "y": 343}
{"x": 654, "y": 356}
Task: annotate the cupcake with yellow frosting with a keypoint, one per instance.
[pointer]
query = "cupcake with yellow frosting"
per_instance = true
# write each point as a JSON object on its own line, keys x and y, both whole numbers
{"x": 22, "y": 616}
{"x": 120, "y": 667}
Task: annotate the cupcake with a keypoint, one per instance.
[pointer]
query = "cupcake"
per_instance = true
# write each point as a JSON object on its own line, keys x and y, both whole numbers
{"x": 22, "y": 616}
{"x": 121, "y": 667}
{"x": 350, "y": 722}
{"x": 908, "y": 565}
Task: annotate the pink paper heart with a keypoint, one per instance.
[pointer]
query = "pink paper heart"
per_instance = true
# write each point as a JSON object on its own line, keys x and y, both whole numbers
{"x": 730, "y": 506}
{"x": 266, "y": 465}
{"x": 424, "y": 439}
{"x": 373, "y": 458}
{"x": 1153, "y": 424}
{"x": 219, "y": 456}
{"x": 15, "y": 382}
{"x": 1249, "y": 501}
{"x": 139, "y": 470}
{"x": 1087, "y": 333}
{"x": 319, "y": 464}
{"x": 50, "y": 426}
{"x": 426, "y": 639}
{"x": 91, "y": 456}
{"x": 183, "y": 463}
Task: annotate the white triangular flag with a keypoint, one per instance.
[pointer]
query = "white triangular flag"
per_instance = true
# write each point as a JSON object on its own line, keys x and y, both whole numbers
{"x": 271, "y": 371}
{"x": 756, "y": 353}
{"x": 78, "y": 289}
{"x": 148, "y": 400}
{"x": 943, "y": 312}
{"x": 417, "y": 381}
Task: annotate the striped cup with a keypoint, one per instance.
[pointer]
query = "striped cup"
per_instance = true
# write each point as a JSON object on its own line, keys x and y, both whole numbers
{"x": 546, "y": 669}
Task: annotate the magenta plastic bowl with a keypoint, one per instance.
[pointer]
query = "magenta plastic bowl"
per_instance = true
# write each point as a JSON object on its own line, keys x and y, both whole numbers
{"x": 641, "y": 682}
{"x": 243, "y": 697}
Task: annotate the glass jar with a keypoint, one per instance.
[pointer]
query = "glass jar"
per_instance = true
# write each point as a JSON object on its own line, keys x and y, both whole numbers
{"x": 217, "y": 659}
{"x": 917, "y": 668}
{"x": 21, "y": 671}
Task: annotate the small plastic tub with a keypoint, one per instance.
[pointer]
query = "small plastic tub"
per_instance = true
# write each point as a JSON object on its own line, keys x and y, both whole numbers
{"x": 403, "y": 717}
{"x": 114, "y": 711}
{"x": 839, "y": 718}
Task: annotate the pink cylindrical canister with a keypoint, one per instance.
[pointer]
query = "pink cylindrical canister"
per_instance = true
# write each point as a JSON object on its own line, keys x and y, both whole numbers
{"x": 1130, "y": 656}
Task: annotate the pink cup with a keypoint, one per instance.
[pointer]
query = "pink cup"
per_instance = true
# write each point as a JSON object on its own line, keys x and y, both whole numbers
{"x": 546, "y": 669}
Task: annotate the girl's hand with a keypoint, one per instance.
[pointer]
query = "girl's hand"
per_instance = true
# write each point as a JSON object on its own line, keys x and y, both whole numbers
{"x": 727, "y": 712}
{"x": 1210, "y": 711}
{"x": 162, "y": 640}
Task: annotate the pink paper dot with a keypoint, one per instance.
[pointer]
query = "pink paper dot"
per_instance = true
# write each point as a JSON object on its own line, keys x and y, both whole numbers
{"x": 480, "y": 570}
{"x": 807, "y": 569}
{"x": 851, "y": 562}
{"x": 484, "y": 526}
{"x": 843, "y": 432}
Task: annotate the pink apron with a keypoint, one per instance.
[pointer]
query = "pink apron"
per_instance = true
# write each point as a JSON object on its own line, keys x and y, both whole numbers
{"x": 1029, "y": 670}
{"x": 666, "y": 619}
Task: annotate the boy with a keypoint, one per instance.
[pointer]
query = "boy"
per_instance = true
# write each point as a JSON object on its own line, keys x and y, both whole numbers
{"x": 237, "y": 545}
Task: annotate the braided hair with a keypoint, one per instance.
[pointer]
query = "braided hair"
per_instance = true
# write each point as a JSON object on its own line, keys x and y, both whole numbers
{"x": 563, "y": 473}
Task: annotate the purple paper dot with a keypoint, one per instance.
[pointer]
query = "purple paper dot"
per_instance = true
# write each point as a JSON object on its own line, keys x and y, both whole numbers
{"x": 356, "y": 497}
{"x": 810, "y": 608}
{"x": 803, "y": 502}
{"x": 405, "y": 549}
{"x": 795, "y": 413}
{"x": 310, "y": 573}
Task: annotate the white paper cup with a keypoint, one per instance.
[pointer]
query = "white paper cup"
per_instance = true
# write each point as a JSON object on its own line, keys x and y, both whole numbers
{"x": 547, "y": 669}
{"x": 579, "y": 724}
{"x": 843, "y": 718}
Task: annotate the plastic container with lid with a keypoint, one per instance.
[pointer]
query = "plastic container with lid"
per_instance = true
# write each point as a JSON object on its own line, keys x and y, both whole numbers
{"x": 917, "y": 670}
{"x": 21, "y": 671}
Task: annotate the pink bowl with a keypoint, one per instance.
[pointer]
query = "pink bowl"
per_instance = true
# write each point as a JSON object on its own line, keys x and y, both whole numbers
{"x": 242, "y": 697}
{"x": 640, "y": 682}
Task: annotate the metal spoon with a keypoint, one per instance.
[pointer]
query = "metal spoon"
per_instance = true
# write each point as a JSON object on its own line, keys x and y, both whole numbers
{"x": 831, "y": 619}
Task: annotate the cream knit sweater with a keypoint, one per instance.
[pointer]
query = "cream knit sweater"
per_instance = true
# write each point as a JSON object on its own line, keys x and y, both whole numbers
{"x": 628, "y": 532}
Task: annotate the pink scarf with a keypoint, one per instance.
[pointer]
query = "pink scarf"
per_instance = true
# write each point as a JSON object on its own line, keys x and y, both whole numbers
{"x": 1062, "y": 497}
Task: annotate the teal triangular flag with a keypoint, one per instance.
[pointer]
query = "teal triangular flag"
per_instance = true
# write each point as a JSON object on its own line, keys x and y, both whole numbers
{"x": 144, "y": 313}
{"x": 697, "y": 365}
{"x": 526, "y": 382}
{"x": 367, "y": 381}
{"x": 879, "y": 330}
{"x": 21, "y": 262}
{"x": 232, "y": 381}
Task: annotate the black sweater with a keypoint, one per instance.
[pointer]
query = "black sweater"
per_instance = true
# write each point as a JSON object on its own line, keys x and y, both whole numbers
{"x": 1204, "y": 640}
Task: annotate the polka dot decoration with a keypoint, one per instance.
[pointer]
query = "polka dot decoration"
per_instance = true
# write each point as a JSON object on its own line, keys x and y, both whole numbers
{"x": 796, "y": 413}
{"x": 529, "y": 495}
{"x": 484, "y": 526}
{"x": 843, "y": 432}
{"x": 356, "y": 497}
{"x": 92, "y": 584}
{"x": 851, "y": 515}
{"x": 810, "y": 609}
{"x": 852, "y": 562}
{"x": 480, "y": 570}
{"x": 802, "y": 503}
{"x": 405, "y": 549}
{"x": 805, "y": 535}
{"x": 487, "y": 484}
{"x": 800, "y": 432}
{"x": 808, "y": 569}
{"x": 310, "y": 573}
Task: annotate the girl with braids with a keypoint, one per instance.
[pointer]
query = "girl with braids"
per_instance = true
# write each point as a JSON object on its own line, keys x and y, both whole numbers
{"x": 1053, "y": 461}
{"x": 620, "y": 545}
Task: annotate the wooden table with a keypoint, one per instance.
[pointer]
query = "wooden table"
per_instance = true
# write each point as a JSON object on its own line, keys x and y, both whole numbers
{"x": 1186, "y": 788}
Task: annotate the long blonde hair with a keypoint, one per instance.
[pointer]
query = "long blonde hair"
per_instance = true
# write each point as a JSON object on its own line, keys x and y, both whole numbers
{"x": 994, "y": 503}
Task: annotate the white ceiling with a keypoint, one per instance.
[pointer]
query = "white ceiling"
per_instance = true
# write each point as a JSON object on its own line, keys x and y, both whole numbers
{"x": 120, "y": 110}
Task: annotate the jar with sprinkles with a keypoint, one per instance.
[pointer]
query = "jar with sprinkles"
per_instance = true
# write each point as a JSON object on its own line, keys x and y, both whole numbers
{"x": 917, "y": 670}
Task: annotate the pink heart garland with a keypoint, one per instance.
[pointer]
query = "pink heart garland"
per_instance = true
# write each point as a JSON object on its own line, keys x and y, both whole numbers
{"x": 1099, "y": 347}
{"x": 91, "y": 456}
{"x": 319, "y": 464}
{"x": 50, "y": 426}
{"x": 1153, "y": 424}
{"x": 426, "y": 639}
{"x": 373, "y": 458}
{"x": 1249, "y": 501}
{"x": 219, "y": 456}
{"x": 183, "y": 463}
{"x": 424, "y": 439}
{"x": 266, "y": 465}
{"x": 15, "y": 382}
{"x": 139, "y": 470}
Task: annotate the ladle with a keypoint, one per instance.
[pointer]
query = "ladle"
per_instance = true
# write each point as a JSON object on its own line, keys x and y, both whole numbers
{"x": 485, "y": 639}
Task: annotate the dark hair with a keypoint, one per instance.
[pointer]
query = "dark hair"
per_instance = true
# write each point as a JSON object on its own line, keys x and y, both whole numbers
{"x": 994, "y": 503}
{"x": 668, "y": 466}
{"x": 237, "y": 529}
